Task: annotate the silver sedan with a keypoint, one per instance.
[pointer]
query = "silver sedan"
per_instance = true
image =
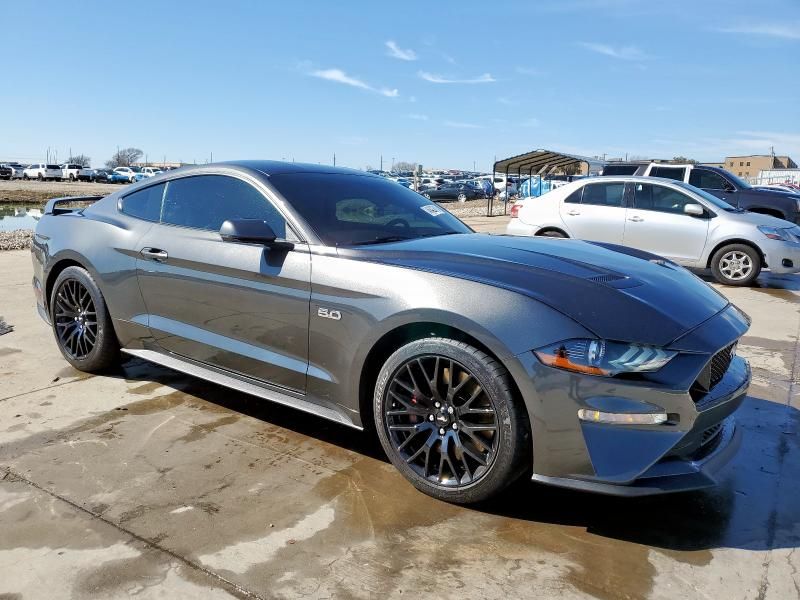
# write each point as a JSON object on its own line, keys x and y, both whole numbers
{"x": 670, "y": 218}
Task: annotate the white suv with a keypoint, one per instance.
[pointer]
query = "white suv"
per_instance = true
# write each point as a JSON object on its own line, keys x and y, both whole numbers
{"x": 42, "y": 172}
{"x": 668, "y": 218}
{"x": 151, "y": 171}
{"x": 132, "y": 173}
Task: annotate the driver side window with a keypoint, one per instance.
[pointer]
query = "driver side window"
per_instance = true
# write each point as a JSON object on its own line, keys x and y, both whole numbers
{"x": 659, "y": 198}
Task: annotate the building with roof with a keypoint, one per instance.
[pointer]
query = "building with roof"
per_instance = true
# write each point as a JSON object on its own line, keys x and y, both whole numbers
{"x": 750, "y": 166}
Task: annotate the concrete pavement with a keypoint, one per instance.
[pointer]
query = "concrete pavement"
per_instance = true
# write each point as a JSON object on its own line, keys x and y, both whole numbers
{"x": 146, "y": 482}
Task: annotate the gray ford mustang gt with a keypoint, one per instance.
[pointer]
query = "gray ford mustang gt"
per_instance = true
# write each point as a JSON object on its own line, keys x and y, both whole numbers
{"x": 475, "y": 358}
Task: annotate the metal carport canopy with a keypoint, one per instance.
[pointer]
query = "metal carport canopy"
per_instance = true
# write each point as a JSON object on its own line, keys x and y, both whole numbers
{"x": 537, "y": 160}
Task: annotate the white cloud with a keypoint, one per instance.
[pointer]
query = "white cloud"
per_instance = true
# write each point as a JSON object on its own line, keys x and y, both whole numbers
{"x": 619, "y": 52}
{"x": 396, "y": 51}
{"x": 449, "y": 59}
{"x": 460, "y": 125}
{"x": 787, "y": 31}
{"x": 418, "y": 117}
{"x": 339, "y": 76}
{"x": 433, "y": 78}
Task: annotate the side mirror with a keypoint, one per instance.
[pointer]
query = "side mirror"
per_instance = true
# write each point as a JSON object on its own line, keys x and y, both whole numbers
{"x": 729, "y": 188}
{"x": 252, "y": 231}
{"x": 695, "y": 210}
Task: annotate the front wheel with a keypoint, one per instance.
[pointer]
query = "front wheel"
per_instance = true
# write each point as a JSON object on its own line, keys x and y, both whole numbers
{"x": 736, "y": 265}
{"x": 39, "y": 177}
{"x": 552, "y": 234}
{"x": 81, "y": 323}
{"x": 448, "y": 420}
{"x": 426, "y": 195}
{"x": 462, "y": 197}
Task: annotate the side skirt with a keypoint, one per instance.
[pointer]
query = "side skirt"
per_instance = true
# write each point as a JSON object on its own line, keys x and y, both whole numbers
{"x": 241, "y": 385}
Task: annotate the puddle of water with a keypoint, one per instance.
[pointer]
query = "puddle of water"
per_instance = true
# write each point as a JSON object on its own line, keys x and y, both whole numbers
{"x": 22, "y": 216}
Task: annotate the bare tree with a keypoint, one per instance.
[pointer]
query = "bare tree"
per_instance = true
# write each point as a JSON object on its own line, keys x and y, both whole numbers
{"x": 682, "y": 160}
{"x": 404, "y": 166}
{"x": 124, "y": 158}
{"x": 80, "y": 159}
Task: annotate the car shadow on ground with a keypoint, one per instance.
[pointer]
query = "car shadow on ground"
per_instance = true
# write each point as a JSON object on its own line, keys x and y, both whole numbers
{"x": 765, "y": 281}
{"x": 754, "y": 506}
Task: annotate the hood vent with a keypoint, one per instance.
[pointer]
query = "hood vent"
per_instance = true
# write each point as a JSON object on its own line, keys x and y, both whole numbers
{"x": 606, "y": 278}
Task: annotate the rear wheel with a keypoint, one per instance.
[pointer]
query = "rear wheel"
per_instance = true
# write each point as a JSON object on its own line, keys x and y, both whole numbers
{"x": 39, "y": 177}
{"x": 552, "y": 233}
{"x": 81, "y": 322}
{"x": 448, "y": 420}
{"x": 736, "y": 265}
{"x": 462, "y": 197}
{"x": 71, "y": 177}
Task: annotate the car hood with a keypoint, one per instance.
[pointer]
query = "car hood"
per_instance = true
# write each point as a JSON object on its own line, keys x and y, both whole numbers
{"x": 756, "y": 219}
{"x": 617, "y": 293}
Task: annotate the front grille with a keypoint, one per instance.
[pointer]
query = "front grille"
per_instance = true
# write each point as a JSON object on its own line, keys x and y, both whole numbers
{"x": 710, "y": 434}
{"x": 719, "y": 364}
{"x": 714, "y": 371}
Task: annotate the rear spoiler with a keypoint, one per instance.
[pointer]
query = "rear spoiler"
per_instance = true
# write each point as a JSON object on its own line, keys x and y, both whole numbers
{"x": 52, "y": 205}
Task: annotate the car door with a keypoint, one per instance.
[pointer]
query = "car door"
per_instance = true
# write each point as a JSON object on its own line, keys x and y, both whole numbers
{"x": 714, "y": 183}
{"x": 596, "y": 211}
{"x": 236, "y": 306}
{"x": 657, "y": 223}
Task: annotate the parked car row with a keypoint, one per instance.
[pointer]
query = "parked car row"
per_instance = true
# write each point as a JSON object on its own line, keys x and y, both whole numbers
{"x": 75, "y": 172}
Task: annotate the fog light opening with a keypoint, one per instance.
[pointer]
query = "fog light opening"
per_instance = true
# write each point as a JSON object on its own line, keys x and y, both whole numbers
{"x": 598, "y": 416}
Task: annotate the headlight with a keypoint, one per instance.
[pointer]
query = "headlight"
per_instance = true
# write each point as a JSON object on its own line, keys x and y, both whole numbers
{"x": 599, "y": 357}
{"x": 773, "y": 233}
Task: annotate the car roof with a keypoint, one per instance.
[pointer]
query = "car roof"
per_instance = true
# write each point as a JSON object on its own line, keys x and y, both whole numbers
{"x": 275, "y": 167}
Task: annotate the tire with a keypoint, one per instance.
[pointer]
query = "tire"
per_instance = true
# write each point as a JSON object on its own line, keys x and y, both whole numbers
{"x": 428, "y": 196}
{"x": 25, "y": 177}
{"x": 75, "y": 293}
{"x": 71, "y": 177}
{"x": 736, "y": 265}
{"x": 39, "y": 177}
{"x": 505, "y": 448}
{"x": 552, "y": 234}
{"x": 462, "y": 198}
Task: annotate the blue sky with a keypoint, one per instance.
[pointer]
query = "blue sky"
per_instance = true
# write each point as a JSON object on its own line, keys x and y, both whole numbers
{"x": 447, "y": 84}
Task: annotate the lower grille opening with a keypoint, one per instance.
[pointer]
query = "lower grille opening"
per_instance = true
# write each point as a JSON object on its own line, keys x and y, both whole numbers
{"x": 713, "y": 372}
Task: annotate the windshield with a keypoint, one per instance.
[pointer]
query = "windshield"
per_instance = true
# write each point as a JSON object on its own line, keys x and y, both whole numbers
{"x": 738, "y": 181}
{"x": 710, "y": 198}
{"x": 53, "y": 167}
{"x": 346, "y": 210}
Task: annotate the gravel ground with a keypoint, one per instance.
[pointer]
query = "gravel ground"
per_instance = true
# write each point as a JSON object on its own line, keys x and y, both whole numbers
{"x": 19, "y": 239}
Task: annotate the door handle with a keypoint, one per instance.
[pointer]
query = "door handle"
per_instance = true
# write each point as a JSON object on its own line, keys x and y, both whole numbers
{"x": 574, "y": 213}
{"x": 636, "y": 219}
{"x": 154, "y": 254}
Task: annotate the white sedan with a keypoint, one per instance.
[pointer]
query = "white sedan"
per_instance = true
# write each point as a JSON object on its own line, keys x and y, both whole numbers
{"x": 665, "y": 217}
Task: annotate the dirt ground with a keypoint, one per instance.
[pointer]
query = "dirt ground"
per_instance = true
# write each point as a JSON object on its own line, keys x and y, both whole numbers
{"x": 149, "y": 483}
{"x": 18, "y": 191}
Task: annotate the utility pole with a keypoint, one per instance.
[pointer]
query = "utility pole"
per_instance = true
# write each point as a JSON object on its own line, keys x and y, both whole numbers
{"x": 212, "y": 157}
{"x": 334, "y": 159}
{"x": 381, "y": 163}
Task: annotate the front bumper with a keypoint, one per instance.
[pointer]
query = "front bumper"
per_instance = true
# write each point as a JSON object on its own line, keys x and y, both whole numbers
{"x": 782, "y": 257}
{"x": 684, "y": 453}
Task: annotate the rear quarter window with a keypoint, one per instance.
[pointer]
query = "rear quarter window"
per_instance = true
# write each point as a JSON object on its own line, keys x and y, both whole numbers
{"x": 144, "y": 204}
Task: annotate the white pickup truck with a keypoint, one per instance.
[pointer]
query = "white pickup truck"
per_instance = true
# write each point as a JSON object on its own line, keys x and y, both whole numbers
{"x": 70, "y": 171}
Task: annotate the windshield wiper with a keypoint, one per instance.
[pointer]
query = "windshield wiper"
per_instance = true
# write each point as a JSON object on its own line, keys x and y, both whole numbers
{"x": 385, "y": 239}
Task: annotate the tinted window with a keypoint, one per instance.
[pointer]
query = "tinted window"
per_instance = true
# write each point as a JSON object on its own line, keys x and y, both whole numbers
{"x": 708, "y": 180}
{"x": 353, "y": 209}
{"x": 663, "y": 199}
{"x": 668, "y": 172}
{"x": 574, "y": 197}
{"x": 144, "y": 204}
{"x": 207, "y": 201}
{"x": 620, "y": 169}
{"x": 603, "y": 194}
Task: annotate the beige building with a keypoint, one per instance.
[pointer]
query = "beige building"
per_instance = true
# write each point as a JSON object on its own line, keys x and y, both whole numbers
{"x": 750, "y": 166}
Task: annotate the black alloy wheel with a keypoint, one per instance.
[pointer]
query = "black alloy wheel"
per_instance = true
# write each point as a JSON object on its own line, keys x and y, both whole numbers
{"x": 448, "y": 419}
{"x": 81, "y": 323}
{"x": 75, "y": 319}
